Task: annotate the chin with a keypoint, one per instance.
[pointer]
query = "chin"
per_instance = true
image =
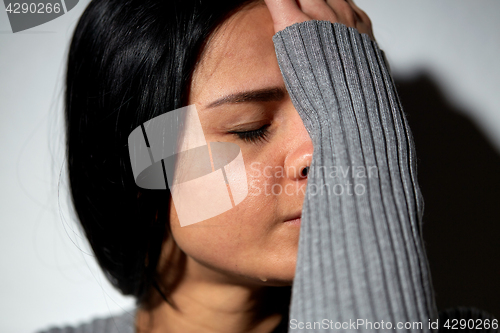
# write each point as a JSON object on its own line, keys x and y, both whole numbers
{"x": 279, "y": 283}
{"x": 279, "y": 277}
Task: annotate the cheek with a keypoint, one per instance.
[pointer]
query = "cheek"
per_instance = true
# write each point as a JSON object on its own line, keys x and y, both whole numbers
{"x": 242, "y": 239}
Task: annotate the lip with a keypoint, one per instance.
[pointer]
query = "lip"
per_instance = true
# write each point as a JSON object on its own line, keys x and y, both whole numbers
{"x": 294, "y": 219}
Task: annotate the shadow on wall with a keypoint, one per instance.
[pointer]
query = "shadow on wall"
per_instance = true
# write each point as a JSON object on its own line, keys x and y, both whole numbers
{"x": 459, "y": 175}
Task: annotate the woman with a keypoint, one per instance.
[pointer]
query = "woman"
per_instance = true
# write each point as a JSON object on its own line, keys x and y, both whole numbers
{"x": 131, "y": 61}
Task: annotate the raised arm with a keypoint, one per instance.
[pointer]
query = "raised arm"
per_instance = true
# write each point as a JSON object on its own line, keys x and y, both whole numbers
{"x": 361, "y": 254}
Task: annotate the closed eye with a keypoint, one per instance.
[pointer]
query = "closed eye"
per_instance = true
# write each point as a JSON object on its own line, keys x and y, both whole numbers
{"x": 253, "y": 136}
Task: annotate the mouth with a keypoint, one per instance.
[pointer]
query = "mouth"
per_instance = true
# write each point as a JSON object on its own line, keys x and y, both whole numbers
{"x": 294, "y": 220}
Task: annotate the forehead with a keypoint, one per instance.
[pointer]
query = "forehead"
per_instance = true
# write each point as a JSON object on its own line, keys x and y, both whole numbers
{"x": 239, "y": 56}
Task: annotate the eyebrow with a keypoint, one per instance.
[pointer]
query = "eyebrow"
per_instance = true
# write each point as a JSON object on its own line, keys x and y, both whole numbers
{"x": 259, "y": 95}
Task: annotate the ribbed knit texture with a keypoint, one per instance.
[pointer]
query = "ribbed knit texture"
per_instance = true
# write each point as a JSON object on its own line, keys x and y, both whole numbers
{"x": 361, "y": 255}
{"x": 123, "y": 323}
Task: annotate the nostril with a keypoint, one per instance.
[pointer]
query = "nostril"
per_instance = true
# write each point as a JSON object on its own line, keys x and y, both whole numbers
{"x": 304, "y": 172}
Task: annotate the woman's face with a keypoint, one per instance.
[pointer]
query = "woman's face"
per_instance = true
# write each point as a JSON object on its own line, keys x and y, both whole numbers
{"x": 250, "y": 243}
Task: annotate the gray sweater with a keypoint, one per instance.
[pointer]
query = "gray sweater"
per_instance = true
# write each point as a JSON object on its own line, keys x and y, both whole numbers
{"x": 361, "y": 254}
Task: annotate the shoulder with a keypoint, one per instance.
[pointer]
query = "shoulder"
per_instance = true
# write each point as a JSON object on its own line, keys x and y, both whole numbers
{"x": 121, "y": 323}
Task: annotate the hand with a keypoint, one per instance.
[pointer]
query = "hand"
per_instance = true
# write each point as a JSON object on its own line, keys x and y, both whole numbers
{"x": 288, "y": 12}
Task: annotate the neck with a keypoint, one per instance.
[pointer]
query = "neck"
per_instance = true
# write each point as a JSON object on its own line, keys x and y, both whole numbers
{"x": 209, "y": 305}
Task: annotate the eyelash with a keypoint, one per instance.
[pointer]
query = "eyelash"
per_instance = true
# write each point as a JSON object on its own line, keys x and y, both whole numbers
{"x": 254, "y": 136}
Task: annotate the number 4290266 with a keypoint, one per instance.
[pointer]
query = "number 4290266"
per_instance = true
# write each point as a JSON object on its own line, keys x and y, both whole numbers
{"x": 460, "y": 324}
{"x": 33, "y": 8}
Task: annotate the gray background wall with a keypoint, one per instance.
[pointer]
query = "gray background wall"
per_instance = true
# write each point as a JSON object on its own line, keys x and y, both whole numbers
{"x": 444, "y": 57}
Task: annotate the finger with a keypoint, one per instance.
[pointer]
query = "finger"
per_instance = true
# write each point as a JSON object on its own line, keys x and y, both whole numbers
{"x": 364, "y": 17}
{"x": 318, "y": 10}
{"x": 362, "y": 28}
{"x": 352, "y": 16}
{"x": 344, "y": 12}
{"x": 364, "y": 23}
{"x": 285, "y": 13}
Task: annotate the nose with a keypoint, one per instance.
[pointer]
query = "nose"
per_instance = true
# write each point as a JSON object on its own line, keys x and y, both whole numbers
{"x": 298, "y": 161}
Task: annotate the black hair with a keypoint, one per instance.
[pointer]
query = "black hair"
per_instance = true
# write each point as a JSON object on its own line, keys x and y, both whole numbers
{"x": 129, "y": 61}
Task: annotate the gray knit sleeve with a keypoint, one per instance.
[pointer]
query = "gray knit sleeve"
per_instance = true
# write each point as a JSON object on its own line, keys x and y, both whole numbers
{"x": 361, "y": 254}
{"x": 122, "y": 323}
